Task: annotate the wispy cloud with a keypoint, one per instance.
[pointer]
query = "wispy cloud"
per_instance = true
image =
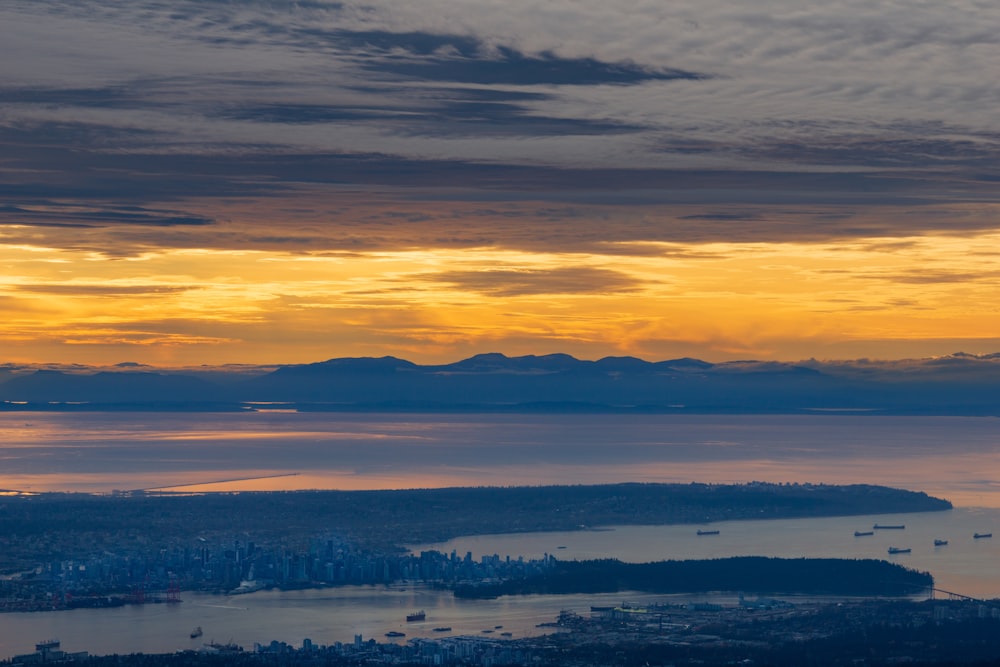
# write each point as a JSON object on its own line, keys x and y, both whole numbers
{"x": 98, "y": 290}
{"x": 563, "y": 280}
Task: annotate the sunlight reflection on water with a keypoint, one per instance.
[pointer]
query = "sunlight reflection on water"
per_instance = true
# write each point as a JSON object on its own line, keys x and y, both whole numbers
{"x": 952, "y": 457}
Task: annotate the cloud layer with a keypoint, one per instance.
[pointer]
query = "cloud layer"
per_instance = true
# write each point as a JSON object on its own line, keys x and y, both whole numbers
{"x": 573, "y": 96}
{"x": 704, "y": 177}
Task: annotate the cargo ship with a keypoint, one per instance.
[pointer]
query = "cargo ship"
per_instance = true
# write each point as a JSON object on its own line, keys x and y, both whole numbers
{"x": 708, "y": 532}
{"x": 862, "y": 533}
{"x": 897, "y": 550}
{"x": 979, "y": 536}
{"x": 879, "y": 526}
{"x": 940, "y": 543}
{"x": 416, "y": 616}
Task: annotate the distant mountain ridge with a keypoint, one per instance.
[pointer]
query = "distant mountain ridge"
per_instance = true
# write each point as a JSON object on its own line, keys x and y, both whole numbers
{"x": 958, "y": 384}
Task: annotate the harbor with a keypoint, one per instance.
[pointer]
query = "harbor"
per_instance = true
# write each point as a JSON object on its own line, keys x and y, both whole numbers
{"x": 966, "y": 566}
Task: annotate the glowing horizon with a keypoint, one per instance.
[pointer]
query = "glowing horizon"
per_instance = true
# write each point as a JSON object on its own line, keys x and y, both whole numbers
{"x": 715, "y": 301}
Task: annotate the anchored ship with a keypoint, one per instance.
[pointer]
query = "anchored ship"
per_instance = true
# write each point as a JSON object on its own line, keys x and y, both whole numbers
{"x": 416, "y": 616}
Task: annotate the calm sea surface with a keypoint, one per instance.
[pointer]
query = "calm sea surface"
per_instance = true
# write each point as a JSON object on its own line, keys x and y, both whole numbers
{"x": 954, "y": 458}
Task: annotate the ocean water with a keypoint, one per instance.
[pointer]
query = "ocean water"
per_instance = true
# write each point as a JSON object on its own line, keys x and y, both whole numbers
{"x": 953, "y": 457}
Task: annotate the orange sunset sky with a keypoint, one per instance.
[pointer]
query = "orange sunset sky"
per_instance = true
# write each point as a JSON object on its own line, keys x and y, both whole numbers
{"x": 288, "y": 182}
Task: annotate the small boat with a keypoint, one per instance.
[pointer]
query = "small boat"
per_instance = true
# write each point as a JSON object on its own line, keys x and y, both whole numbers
{"x": 488, "y": 631}
{"x": 498, "y": 627}
{"x": 561, "y": 546}
{"x": 196, "y": 633}
{"x": 897, "y": 550}
{"x": 940, "y": 543}
{"x": 879, "y": 526}
{"x": 979, "y": 536}
{"x": 863, "y": 533}
{"x": 416, "y": 616}
{"x": 395, "y": 633}
{"x": 443, "y": 628}
{"x": 708, "y": 532}
{"x": 506, "y": 634}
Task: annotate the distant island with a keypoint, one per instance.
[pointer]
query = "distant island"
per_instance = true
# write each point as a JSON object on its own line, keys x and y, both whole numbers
{"x": 959, "y": 384}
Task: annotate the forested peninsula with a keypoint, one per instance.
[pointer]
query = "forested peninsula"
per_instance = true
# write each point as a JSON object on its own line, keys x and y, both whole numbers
{"x": 749, "y": 574}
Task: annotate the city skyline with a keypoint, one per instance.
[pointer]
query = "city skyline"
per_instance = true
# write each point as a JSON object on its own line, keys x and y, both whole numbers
{"x": 286, "y": 182}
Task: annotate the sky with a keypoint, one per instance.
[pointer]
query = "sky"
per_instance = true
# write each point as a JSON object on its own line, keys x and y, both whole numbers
{"x": 268, "y": 181}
